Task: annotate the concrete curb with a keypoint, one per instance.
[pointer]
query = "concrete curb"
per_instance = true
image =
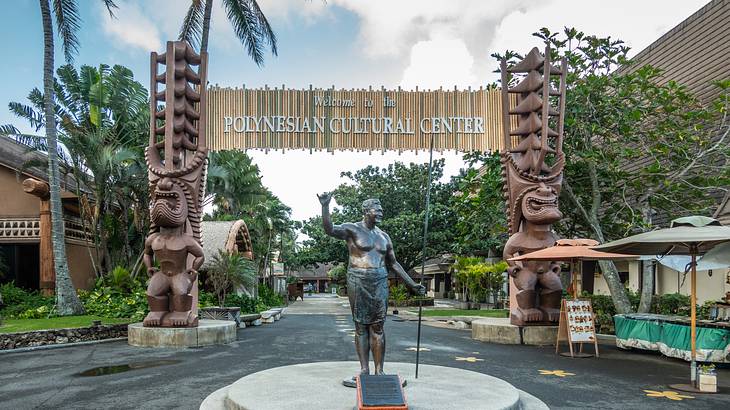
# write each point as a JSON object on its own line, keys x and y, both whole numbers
{"x": 59, "y": 345}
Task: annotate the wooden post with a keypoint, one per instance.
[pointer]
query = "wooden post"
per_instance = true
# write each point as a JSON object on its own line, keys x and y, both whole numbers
{"x": 47, "y": 274}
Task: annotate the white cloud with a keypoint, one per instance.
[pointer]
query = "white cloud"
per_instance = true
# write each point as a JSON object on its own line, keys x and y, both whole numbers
{"x": 131, "y": 27}
{"x": 436, "y": 63}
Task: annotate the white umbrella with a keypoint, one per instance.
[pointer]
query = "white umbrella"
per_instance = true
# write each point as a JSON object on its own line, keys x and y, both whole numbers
{"x": 693, "y": 236}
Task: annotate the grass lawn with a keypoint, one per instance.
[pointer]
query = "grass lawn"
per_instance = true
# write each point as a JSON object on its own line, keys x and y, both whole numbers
{"x": 26, "y": 325}
{"x": 462, "y": 312}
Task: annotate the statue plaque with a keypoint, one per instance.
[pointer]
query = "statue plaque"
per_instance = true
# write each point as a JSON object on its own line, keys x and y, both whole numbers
{"x": 380, "y": 392}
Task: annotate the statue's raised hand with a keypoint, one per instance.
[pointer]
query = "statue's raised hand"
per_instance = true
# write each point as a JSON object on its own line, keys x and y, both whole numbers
{"x": 325, "y": 198}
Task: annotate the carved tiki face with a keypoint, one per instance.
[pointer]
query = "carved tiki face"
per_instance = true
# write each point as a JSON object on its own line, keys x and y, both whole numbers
{"x": 540, "y": 205}
{"x": 169, "y": 206}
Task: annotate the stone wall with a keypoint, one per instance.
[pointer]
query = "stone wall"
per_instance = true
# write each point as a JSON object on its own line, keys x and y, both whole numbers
{"x": 54, "y": 336}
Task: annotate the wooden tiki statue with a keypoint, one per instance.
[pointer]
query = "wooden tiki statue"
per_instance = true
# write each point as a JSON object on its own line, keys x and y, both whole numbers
{"x": 176, "y": 159}
{"x": 532, "y": 169}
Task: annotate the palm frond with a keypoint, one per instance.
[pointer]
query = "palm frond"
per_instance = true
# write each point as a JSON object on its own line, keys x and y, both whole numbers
{"x": 266, "y": 31}
{"x": 68, "y": 22}
{"x": 110, "y": 5}
{"x": 36, "y": 119}
{"x": 245, "y": 26}
{"x": 192, "y": 27}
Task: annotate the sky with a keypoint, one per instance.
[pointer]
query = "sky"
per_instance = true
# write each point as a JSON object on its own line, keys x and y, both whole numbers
{"x": 340, "y": 43}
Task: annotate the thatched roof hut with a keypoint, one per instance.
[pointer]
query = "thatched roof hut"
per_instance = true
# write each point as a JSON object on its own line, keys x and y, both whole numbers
{"x": 231, "y": 236}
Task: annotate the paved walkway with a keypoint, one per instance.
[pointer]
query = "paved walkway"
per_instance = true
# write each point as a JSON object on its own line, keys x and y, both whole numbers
{"x": 318, "y": 304}
{"x": 50, "y": 379}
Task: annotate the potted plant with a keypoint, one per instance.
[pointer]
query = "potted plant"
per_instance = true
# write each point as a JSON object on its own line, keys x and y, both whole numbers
{"x": 227, "y": 272}
{"x": 707, "y": 378}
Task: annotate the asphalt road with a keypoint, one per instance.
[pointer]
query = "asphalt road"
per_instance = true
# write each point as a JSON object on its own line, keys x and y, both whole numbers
{"x": 181, "y": 379}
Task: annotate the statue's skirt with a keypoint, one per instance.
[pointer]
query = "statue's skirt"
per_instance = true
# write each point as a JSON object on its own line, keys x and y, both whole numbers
{"x": 368, "y": 293}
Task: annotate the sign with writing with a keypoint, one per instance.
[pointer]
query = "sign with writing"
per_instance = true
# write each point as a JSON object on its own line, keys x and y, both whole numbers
{"x": 380, "y": 391}
{"x": 576, "y": 325}
{"x": 329, "y": 119}
{"x": 580, "y": 320}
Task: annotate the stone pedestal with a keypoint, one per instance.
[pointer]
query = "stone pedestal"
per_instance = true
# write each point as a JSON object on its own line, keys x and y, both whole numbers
{"x": 317, "y": 386}
{"x": 208, "y": 332}
{"x": 500, "y": 330}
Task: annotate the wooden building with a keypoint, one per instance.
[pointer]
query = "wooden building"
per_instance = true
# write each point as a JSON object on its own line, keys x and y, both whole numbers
{"x": 25, "y": 231}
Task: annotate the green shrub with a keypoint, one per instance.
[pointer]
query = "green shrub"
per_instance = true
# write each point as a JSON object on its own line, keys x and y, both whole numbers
{"x": 247, "y": 304}
{"x": 269, "y": 298}
{"x": 18, "y": 302}
{"x": 206, "y": 299}
{"x": 107, "y": 301}
{"x": 399, "y": 295}
{"x": 671, "y": 304}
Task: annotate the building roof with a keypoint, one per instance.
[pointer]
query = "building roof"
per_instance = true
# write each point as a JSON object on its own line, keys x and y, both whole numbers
{"x": 695, "y": 52}
{"x": 16, "y": 156}
{"x": 230, "y": 236}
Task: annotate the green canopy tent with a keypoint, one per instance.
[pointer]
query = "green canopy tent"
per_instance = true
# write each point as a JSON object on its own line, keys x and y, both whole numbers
{"x": 693, "y": 236}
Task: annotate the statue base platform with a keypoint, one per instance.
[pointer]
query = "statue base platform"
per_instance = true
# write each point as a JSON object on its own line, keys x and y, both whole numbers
{"x": 316, "y": 386}
{"x": 208, "y": 332}
{"x": 500, "y": 330}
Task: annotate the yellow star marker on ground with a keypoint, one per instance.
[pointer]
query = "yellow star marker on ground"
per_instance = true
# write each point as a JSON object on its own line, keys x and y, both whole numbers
{"x": 559, "y": 373}
{"x": 422, "y": 349}
{"x": 468, "y": 359}
{"x": 671, "y": 395}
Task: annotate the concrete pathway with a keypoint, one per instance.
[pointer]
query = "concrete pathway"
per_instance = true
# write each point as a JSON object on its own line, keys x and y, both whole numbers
{"x": 181, "y": 379}
{"x": 320, "y": 304}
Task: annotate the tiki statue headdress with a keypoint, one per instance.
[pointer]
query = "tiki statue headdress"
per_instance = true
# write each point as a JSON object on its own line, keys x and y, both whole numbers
{"x": 176, "y": 159}
{"x": 532, "y": 168}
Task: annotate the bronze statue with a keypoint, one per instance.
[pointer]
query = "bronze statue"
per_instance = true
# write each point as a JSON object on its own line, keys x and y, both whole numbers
{"x": 176, "y": 160}
{"x": 533, "y": 174}
{"x": 371, "y": 257}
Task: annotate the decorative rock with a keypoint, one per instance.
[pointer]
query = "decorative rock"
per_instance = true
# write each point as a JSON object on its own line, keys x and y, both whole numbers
{"x": 58, "y": 336}
{"x": 256, "y": 322}
{"x": 461, "y": 325}
{"x": 268, "y": 316}
{"x": 208, "y": 332}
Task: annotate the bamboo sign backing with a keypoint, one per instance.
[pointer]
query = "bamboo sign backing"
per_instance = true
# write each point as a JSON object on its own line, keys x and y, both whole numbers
{"x": 362, "y": 119}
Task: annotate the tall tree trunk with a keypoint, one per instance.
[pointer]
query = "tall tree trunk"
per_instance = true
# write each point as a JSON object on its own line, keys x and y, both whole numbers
{"x": 647, "y": 286}
{"x": 206, "y": 26}
{"x": 647, "y": 267}
{"x": 67, "y": 302}
{"x": 610, "y": 273}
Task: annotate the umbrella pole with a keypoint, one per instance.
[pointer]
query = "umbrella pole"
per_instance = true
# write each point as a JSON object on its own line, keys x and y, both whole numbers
{"x": 574, "y": 278}
{"x": 693, "y": 325}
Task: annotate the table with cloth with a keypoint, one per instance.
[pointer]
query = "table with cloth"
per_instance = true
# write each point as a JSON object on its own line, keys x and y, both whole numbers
{"x": 671, "y": 336}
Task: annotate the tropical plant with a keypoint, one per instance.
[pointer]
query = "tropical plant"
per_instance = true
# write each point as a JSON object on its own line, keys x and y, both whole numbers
{"x": 248, "y": 21}
{"x": 68, "y": 23}
{"x": 481, "y": 223}
{"x": 618, "y": 114}
{"x": 338, "y": 275}
{"x": 401, "y": 189}
{"x": 227, "y": 272}
{"x": 103, "y": 117}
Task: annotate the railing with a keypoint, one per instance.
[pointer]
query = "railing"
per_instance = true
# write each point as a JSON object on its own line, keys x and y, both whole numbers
{"x": 20, "y": 229}
{"x": 28, "y": 229}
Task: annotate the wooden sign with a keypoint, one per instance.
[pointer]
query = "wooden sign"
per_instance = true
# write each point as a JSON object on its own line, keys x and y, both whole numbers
{"x": 577, "y": 325}
{"x": 382, "y": 392}
{"x": 357, "y": 119}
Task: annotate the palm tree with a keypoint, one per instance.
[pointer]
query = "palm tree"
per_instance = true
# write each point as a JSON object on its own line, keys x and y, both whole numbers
{"x": 68, "y": 22}
{"x": 229, "y": 271}
{"x": 103, "y": 119}
{"x": 249, "y": 24}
